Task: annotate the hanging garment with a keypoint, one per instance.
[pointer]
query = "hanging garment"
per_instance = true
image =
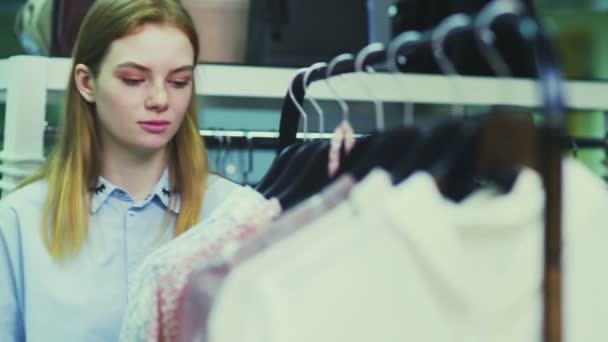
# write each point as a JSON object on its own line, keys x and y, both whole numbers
{"x": 67, "y": 18}
{"x": 33, "y": 26}
{"x": 298, "y": 33}
{"x": 222, "y": 28}
{"x": 141, "y": 315}
{"x": 375, "y": 186}
{"x": 169, "y": 296}
{"x": 205, "y": 281}
{"x": 420, "y": 268}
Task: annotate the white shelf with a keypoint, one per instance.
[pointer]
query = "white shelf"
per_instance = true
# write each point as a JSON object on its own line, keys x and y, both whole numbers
{"x": 269, "y": 82}
{"x": 4, "y": 63}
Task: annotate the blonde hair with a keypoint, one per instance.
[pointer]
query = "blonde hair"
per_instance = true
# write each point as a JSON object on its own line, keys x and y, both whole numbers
{"x": 73, "y": 168}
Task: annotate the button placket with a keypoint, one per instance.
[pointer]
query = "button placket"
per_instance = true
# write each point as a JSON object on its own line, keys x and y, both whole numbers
{"x": 130, "y": 243}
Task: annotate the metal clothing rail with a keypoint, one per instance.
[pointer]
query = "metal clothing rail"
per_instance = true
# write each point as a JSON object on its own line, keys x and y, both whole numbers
{"x": 266, "y": 140}
{"x": 257, "y": 140}
{"x": 241, "y": 139}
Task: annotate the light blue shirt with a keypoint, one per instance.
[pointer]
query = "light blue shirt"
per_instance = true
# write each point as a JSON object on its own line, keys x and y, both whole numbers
{"x": 82, "y": 300}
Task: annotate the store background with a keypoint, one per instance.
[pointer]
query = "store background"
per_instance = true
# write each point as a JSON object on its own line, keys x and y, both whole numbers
{"x": 579, "y": 28}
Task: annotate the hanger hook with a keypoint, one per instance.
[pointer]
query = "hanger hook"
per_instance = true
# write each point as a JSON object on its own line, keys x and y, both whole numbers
{"x": 574, "y": 147}
{"x": 249, "y": 167}
{"x": 330, "y": 72}
{"x": 314, "y": 102}
{"x": 298, "y": 106}
{"x": 438, "y": 38}
{"x": 359, "y": 67}
{"x": 227, "y": 171}
{"x": 485, "y": 37}
{"x": 218, "y": 156}
{"x": 394, "y": 60}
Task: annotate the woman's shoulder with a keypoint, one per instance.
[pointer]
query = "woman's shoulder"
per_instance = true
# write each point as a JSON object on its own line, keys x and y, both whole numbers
{"x": 21, "y": 207}
{"x": 28, "y": 197}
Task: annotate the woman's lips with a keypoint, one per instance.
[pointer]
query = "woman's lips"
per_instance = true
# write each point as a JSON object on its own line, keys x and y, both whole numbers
{"x": 154, "y": 126}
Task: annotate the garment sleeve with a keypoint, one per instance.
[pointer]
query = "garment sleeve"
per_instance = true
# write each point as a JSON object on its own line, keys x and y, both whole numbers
{"x": 11, "y": 311}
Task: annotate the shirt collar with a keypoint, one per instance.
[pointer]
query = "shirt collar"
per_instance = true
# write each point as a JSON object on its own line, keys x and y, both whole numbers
{"x": 161, "y": 190}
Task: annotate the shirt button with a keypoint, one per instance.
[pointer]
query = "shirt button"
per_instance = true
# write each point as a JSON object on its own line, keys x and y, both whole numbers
{"x": 120, "y": 193}
{"x": 131, "y": 213}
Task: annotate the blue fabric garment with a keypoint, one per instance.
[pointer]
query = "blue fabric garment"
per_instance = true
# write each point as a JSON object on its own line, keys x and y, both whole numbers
{"x": 83, "y": 299}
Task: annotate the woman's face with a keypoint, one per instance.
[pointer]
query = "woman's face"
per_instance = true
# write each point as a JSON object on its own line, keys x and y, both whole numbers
{"x": 143, "y": 89}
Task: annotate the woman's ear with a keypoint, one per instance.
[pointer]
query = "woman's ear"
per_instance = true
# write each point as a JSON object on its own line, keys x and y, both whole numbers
{"x": 85, "y": 83}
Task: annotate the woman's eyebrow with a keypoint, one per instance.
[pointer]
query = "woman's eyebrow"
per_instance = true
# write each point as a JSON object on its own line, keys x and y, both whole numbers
{"x": 133, "y": 65}
{"x": 182, "y": 68}
{"x": 146, "y": 69}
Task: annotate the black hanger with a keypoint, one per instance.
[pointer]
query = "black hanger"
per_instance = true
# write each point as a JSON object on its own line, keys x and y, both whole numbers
{"x": 292, "y": 153}
{"x": 503, "y": 142}
{"x": 430, "y": 148}
{"x": 492, "y": 151}
{"x": 309, "y": 179}
{"x": 310, "y": 175}
{"x": 384, "y": 150}
{"x": 441, "y": 142}
{"x": 294, "y": 168}
{"x": 278, "y": 166}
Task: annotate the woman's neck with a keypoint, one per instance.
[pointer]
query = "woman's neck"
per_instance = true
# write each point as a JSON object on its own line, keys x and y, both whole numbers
{"x": 137, "y": 174}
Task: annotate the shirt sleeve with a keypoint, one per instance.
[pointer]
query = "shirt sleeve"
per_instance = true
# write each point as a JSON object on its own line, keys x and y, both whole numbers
{"x": 11, "y": 317}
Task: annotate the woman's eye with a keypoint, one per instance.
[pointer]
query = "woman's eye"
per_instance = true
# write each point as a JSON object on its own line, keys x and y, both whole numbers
{"x": 179, "y": 83}
{"x": 132, "y": 81}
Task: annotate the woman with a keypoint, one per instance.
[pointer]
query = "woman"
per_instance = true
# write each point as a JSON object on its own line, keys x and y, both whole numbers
{"x": 129, "y": 173}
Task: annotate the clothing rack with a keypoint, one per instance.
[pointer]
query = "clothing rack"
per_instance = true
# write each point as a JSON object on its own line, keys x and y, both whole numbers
{"x": 551, "y": 99}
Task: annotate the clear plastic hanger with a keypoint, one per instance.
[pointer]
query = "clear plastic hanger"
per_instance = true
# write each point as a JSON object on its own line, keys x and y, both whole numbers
{"x": 438, "y": 38}
{"x": 485, "y": 37}
{"x": 343, "y": 135}
{"x": 298, "y": 106}
{"x": 394, "y": 60}
{"x": 359, "y": 67}
{"x": 249, "y": 150}
{"x": 330, "y": 72}
{"x": 218, "y": 154}
{"x": 314, "y": 102}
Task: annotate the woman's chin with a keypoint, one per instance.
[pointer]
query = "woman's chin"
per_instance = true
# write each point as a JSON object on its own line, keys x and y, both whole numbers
{"x": 149, "y": 146}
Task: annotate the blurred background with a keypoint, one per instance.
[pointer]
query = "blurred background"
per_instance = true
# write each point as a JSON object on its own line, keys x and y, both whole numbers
{"x": 295, "y": 33}
{"x": 578, "y": 25}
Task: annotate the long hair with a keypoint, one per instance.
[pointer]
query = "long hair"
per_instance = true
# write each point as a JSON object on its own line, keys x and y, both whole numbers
{"x": 73, "y": 168}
